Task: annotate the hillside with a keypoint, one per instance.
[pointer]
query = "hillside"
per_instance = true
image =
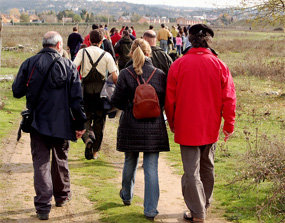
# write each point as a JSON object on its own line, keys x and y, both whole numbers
{"x": 106, "y": 8}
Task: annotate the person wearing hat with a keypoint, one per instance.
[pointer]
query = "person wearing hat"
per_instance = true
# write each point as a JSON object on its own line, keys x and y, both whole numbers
{"x": 200, "y": 92}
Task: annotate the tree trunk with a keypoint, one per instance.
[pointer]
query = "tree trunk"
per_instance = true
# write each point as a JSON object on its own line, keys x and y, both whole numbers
{"x": 0, "y": 40}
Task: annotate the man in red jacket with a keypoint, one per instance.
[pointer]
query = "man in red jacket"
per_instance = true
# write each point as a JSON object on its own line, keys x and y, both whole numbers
{"x": 200, "y": 91}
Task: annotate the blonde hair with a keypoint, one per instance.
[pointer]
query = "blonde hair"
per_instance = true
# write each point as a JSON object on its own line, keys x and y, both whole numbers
{"x": 140, "y": 48}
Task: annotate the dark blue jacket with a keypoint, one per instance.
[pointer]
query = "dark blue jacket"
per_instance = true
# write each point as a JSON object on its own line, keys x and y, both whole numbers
{"x": 58, "y": 110}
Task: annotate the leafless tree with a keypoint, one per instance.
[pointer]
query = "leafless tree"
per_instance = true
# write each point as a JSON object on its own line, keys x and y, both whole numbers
{"x": 272, "y": 11}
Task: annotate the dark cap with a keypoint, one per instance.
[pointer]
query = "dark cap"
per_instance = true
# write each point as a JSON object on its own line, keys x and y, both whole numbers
{"x": 201, "y": 28}
{"x": 95, "y": 26}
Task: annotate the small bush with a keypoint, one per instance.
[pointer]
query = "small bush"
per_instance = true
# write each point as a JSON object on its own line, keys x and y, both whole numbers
{"x": 274, "y": 70}
{"x": 264, "y": 162}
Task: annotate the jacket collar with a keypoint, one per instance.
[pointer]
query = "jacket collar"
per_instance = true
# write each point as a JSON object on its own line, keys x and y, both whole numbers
{"x": 199, "y": 50}
{"x": 48, "y": 50}
{"x": 148, "y": 61}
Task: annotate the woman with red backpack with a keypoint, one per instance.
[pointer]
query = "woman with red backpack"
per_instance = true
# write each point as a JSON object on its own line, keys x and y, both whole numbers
{"x": 135, "y": 135}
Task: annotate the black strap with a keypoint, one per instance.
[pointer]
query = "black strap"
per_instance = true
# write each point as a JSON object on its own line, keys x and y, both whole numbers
{"x": 43, "y": 82}
{"x": 97, "y": 61}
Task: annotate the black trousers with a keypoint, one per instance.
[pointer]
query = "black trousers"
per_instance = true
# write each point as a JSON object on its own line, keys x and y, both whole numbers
{"x": 96, "y": 118}
{"x": 49, "y": 180}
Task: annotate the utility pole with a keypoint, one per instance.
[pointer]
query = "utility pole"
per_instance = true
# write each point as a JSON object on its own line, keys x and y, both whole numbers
{"x": 0, "y": 39}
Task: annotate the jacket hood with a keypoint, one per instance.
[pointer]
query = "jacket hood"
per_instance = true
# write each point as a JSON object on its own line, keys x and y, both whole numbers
{"x": 126, "y": 39}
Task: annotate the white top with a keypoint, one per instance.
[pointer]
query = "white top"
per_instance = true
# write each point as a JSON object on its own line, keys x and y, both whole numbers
{"x": 106, "y": 64}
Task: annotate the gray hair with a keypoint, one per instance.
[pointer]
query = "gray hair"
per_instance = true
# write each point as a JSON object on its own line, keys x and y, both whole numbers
{"x": 51, "y": 38}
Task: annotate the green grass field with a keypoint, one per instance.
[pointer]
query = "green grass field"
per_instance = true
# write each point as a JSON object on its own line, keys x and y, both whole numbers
{"x": 260, "y": 113}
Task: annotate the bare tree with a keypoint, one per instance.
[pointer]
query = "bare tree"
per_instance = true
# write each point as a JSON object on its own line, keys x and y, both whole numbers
{"x": 272, "y": 11}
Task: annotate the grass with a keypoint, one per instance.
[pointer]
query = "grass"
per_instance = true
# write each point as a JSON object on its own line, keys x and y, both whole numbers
{"x": 10, "y": 113}
{"x": 258, "y": 111}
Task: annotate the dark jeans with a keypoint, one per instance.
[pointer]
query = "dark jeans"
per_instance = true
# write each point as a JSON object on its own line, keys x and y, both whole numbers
{"x": 49, "y": 179}
{"x": 96, "y": 118}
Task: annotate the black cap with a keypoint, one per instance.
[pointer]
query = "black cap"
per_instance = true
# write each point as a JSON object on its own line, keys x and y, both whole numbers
{"x": 201, "y": 28}
{"x": 95, "y": 26}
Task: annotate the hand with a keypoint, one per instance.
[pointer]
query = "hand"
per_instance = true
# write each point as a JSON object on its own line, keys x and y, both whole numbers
{"x": 79, "y": 134}
{"x": 227, "y": 135}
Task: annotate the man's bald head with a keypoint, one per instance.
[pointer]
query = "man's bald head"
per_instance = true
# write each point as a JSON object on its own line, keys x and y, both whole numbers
{"x": 150, "y": 37}
{"x": 51, "y": 39}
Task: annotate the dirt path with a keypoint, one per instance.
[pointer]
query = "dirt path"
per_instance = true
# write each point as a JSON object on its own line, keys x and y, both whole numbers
{"x": 171, "y": 204}
{"x": 17, "y": 192}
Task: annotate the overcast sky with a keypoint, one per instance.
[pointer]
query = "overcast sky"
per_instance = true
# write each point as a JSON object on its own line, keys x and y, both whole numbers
{"x": 188, "y": 3}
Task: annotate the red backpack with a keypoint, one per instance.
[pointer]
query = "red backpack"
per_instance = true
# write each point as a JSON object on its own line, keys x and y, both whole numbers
{"x": 145, "y": 103}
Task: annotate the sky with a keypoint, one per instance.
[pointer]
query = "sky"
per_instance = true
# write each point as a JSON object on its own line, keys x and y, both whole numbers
{"x": 187, "y": 3}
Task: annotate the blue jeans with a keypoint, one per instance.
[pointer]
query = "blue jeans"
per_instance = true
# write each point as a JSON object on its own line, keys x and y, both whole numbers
{"x": 164, "y": 45}
{"x": 151, "y": 191}
{"x": 178, "y": 49}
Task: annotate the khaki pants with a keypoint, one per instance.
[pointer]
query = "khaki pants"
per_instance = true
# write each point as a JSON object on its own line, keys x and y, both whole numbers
{"x": 198, "y": 178}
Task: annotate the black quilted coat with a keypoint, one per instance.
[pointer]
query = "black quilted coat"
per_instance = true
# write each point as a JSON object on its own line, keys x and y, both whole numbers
{"x": 140, "y": 135}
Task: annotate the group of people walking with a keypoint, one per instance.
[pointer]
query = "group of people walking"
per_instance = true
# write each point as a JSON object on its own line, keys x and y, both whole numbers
{"x": 196, "y": 92}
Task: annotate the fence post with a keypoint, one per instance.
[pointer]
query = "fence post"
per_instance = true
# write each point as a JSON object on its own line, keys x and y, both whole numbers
{"x": 0, "y": 39}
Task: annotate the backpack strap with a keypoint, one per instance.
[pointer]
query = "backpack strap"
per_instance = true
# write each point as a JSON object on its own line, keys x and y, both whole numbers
{"x": 97, "y": 61}
{"x": 151, "y": 75}
{"x": 101, "y": 56}
{"x": 90, "y": 59}
{"x": 134, "y": 76}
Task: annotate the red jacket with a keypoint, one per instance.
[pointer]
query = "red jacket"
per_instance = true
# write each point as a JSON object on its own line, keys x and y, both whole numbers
{"x": 134, "y": 33}
{"x": 115, "y": 38}
{"x": 200, "y": 91}
{"x": 87, "y": 40}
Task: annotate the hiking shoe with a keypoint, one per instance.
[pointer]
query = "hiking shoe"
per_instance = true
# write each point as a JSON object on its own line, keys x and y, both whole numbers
{"x": 42, "y": 216}
{"x": 63, "y": 203}
{"x": 127, "y": 203}
{"x": 149, "y": 218}
{"x": 188, "y": 217}
{"x": 89, "y": 150}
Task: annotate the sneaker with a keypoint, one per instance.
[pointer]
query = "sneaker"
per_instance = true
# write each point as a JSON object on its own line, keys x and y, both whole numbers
{"x": 127, "y": 203}
{"x": 89, "y": 150}
{"x": 149, "y": 218}
{"x": 42, "y": 216}
{"x": 63, "y": 203}
{"x": 188, "y": 217}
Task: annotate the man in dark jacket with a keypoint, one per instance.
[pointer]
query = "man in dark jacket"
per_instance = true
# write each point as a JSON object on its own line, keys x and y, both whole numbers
{"x": 159, "y": 58}
{"x": 73, "y": 42}
{"x": 123, "y": 48}
{"x": 58, "y": 116}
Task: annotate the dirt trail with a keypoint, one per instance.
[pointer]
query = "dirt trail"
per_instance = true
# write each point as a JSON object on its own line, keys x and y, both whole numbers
{"x": 171, "y": 204}
{"x": 17, "y": 192}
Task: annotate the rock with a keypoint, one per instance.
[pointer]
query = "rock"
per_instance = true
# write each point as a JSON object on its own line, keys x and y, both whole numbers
{"x": 272, "y": 93}
{"x": 9, "y": 77}
{"x": 20, "y": 46}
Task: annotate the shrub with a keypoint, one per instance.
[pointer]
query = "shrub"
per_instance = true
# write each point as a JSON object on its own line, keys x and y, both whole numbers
{"x": 264, "y": 162}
